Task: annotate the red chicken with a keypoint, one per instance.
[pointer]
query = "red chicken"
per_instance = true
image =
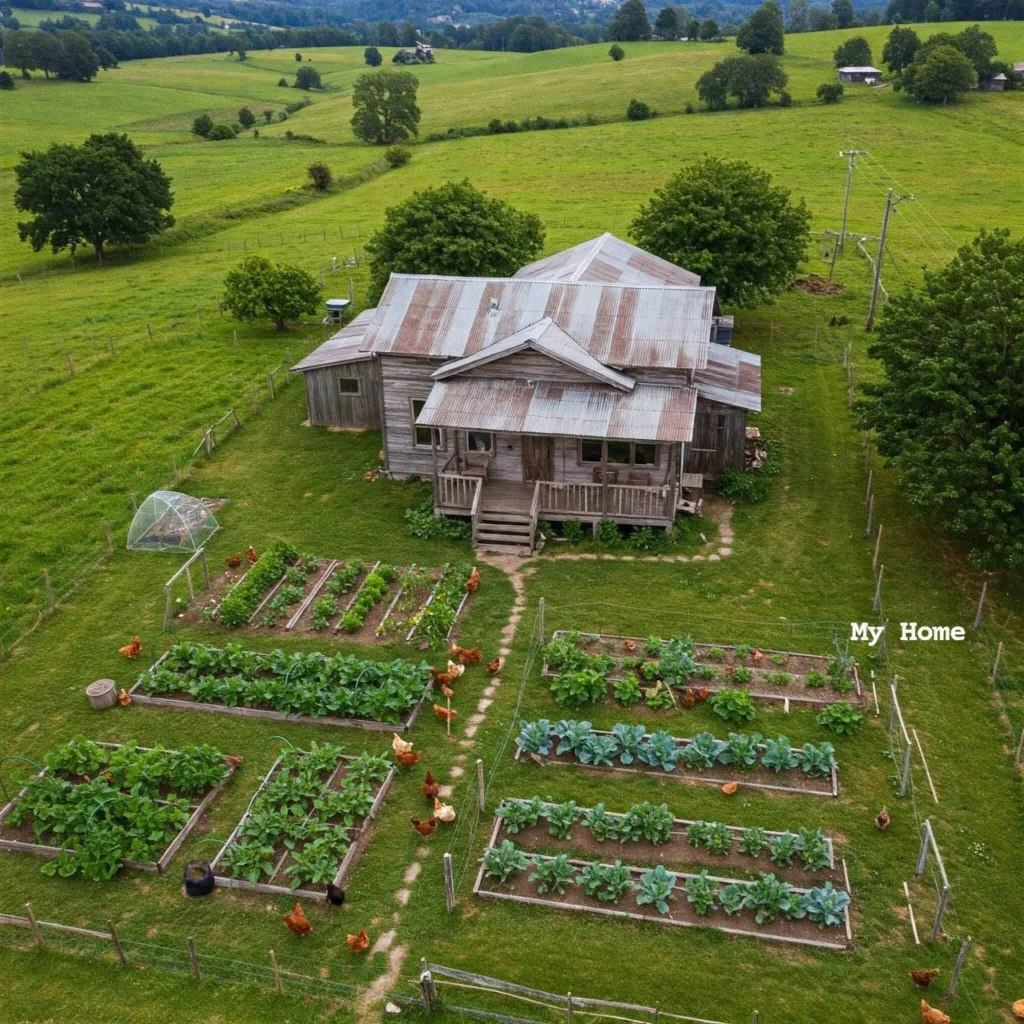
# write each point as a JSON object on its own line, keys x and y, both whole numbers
{"x": 494, "y": 666}
{"x": 425, "y": 828}
{"x": 131, "y": 650}
{"x": 358, "y": 943}
{"x": 250, "y": 555}
{"x": 466, "y": 655}
{"x": 474, "y": 580}
{"x": 407, "y": 758}
{"x": 430, "y": 787}
{"x": 296, "y": 921}
{"x": 445, "y": 714}
{"x": 233, "y": 561}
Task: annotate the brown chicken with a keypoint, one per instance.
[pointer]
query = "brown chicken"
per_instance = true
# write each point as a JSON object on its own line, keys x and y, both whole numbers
{"x": 233, "y": 759}
{"x": 296, "y": 921}
{"x": 445, "y": 714}
{"x": 929, "y": 1015}
{"x": 703, "y": 693}
{"x": 466, "y": 655}
{"x": 1018, "y": 1009}
{"x": 233, "y": 561}
{"x": 430, "y": 787}
{"x": 447, "y": 692}
{"x": 689, "y": 698}
{"x": 425, "y": 828}
{"x": 923, "y": 978}
{"x": 494, "y": 666}
{"x": 882, "y": 820}
{"x": 630, "y": 645}
{"x": 730, "y": 787}
{"x": 132, "y": 650}
{"x": 758, "y": 656}
{"x": 358, "y": 943}
{"x": 124, "y": 698}
{"x": 250, "y": 555}
{"x": 407, "y": 758}
{"x": 474, "y": 580}
{"x": 400, "y": 746}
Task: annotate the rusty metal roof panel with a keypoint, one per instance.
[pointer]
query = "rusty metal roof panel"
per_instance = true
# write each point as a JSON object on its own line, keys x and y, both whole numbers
{"x": 621, "y": 326}
{"x": 608, "y": 260}
{"x": 650, "y": 412}
{"x": 732, "y": 377}
{"x": 344, "y": 347}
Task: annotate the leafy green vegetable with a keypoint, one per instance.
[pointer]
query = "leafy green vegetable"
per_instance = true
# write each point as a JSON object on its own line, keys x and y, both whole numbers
{"x": 561, "y": 818}
{"x": 655, "y": 888}
{"x": 535, "y": 737}
{"x": 733, "y": 705}
{"x": 753, "y": 842}
{"x": 842, "y": 718}
{"x": 826, "y": 905}
{"x": 700, "y": 893}
{"x": 502, "y": 862}
{"x": 552, "y": 873}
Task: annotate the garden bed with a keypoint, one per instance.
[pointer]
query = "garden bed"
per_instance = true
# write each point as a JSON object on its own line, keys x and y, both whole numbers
{"x": 379, "y": 696}
{"x": 771, "y": 676}
{"x": 676, "y": 910}
{"x": 81, "y": 779}
{"x": 810, "y": 769}
{"x": 307, "y": 824}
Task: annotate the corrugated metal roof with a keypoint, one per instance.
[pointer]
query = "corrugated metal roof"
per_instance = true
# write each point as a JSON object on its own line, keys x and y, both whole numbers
{"x": 861, "y": 68}
{"x": 451, "y": 317}
{"x": 344, "y": 347}
{"x": 546, "y": 337}
{"x": 650, "y": 412}
{"x": 607, "y": 260}
{"x": 732, "y": 377}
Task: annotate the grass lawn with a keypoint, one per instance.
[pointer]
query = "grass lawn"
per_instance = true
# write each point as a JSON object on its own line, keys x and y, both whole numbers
{"x": 800, "y": 570}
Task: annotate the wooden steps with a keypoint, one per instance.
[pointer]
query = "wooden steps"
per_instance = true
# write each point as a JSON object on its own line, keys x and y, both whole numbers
{"x": 506, "y": 533}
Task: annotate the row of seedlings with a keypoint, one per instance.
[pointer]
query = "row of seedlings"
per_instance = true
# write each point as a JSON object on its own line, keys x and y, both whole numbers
{"x": 94, "y": 808}
{"x": 313, "y": 688}
{"x": 436, "y": 619}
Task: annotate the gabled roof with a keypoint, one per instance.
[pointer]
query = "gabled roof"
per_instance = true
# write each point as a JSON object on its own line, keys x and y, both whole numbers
{"x": 619, "y": 325}
{"x": 607, "y": 260}
{"x": 344, "y": 347}
{"x": 732, "y": 377}
{"x": 866, "y": 69}
{"x": 546, "y": 337}
{"x": 650, "y": 412}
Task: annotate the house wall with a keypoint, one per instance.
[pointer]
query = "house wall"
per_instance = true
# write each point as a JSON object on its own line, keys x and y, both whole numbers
{"x": 530, "y": 366}
{"x": 403, "y": 378}
{"x": 329, "y": 407}
{"x": 719, "y": 437}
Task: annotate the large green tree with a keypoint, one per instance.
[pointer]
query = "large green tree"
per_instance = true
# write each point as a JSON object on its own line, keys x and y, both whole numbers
{"x": 796, "y": 11}
{"x": 900, "y": 48}
{"x": 77, "y": 62}
{"x": 751, "y": 79}
{"x": 101, "y": 192}
{"x": 855, "y": 52}
{"x": 843, "y": 10}
{"x": 944, "y": 75}
{"x": 260, "y": 290}
{"x": 667, "y": 23}
{"x": 452, "y": 229}
{"x": 949, "y": 411}
{"x": 726, "y": 221}
{"x": 386, "y": 110}
{"x": 763, "y": 31}
{"x": 629, "y": 23}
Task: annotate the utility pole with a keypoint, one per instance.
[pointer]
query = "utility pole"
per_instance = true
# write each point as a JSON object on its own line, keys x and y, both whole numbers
{"x": 851, "y": 156}
{"x": 890, "y": 201}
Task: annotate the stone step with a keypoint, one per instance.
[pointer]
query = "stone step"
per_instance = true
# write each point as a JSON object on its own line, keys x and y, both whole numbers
{"x": 522, "y": 551}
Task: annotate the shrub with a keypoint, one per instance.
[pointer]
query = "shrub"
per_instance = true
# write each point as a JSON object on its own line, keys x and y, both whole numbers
{"x": 202, "y": 125}
{"x": 268, "y": 116}
{"x": 830, "y": 92}
{"x": 6, "y": 80}
{"x": 283, "y": 83}
{"x": 638, "y": 111}
{"x": 616, "y": 52}
{"x": 320, "y": 176}
{"x": 572, "y": 530}
{"x": 608, "y": 532}
{"x": 785, "y": 99}
{"x": 397, "y": 156}
{"x": 246, "y": 118}
{"x": 422, "y": 523}
{"x": 221, "y": 131}
{"x": 307, "y": 78}
{"x": 690, "y": 108}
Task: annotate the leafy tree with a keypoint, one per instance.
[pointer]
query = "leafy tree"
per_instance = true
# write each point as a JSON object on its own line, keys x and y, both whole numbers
{"x": 386, "y": 110}
{"x": 900, "y": 48}
{"x": 372, "y": 57}
{"x": 979, "y": 48}
{"x": 246, "y": 118}
{"x": 820, "y": 20}
{"x": 763, "y": 31}
{"x": 945, "y": 74}
{"x": 387, "y": 33}
{"x": 106, "y": 59}
{"x": 713, "y": 87}
{"x": 693, "y": 30}
{"x": 855, "y": 52}
{"x": 260, "y": 290}
{"x": 709, "y": 30}
{"x": 19, "y": 52}
{"x": 268, "y": 116}
{"x": 638, "y": 110}
{"x": 616, "y": 52}
{"x": 751, "y": 79}
{"x": 797, "y": 16}
{"x": 77, "y": 62}
{"x": 726, "y": 221}
{"x": 47, "y": 51}
{"x": 408, "y": 34}
{"x": 101, "y": 192}
{"x": 320, "y": 175}
{"x": 949, "y": 411}
{"x": 283, "y": 83}
{"x": 667, "y": 23}
{"x": 298, "y": 57}
{"x": 397, "y": 156}
{"x": 201, "y": 125}
{"x": 452, "y": 229}
{"x": 221, "y": 132}
{"x": 932, "y": 12}
{"x": 307, "y": 78}
{"x": 830, "y": 92}
{"x": 843, "y": 10}
{"x": 6, "y": 80}
{"x": 629, "y": 23}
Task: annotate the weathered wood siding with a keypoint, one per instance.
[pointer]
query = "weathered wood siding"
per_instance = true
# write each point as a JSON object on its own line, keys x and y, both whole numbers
{"x": 330, "y": 407}
{"x": 402, "y": 379}
{"x": 719, "y": 435}
{"x": 530, "y": 366}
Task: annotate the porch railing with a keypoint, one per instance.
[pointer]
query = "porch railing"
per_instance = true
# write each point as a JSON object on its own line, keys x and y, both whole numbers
{"x": 534, "y": 509}
{"x": 611, "y": 501}
{"x": 456, "y": 491}
{"x": 474, "y": 512}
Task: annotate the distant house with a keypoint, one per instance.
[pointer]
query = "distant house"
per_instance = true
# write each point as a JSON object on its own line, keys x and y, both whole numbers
{"x": 91, "y": 5}
{"x": 860, "y": 75}
{"x": 590, "y": 385}
{"x": 995, "y": 83}
{"x": 1018, "y": 67}
{"x": 423, "y": 54}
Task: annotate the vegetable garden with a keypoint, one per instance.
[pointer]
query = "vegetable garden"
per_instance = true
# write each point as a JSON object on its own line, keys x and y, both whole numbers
{"x": 339, "y": 689}
{"x": 94, "y": 808}
{"x": 307, "y": 824}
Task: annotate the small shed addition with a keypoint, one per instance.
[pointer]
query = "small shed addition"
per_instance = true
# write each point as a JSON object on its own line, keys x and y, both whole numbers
{"x": 996, "y": 83}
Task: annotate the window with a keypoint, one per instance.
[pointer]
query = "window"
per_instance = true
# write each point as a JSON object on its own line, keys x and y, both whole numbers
{"x": 645, "y": 454}
{"x": 349, "y": 385}
{"x": 422, "y": 435}
{"x": 480, "y": 441}
{"x": 620, "y": 453}
{"x": 590, "y": 451}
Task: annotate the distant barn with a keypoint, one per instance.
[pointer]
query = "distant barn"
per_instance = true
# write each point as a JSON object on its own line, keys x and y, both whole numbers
{"x": 858, "y": 75}
{"x": 995, "y": 83}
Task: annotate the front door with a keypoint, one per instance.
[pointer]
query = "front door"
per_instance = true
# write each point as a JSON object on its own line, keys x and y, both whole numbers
{"x": 538, "y": 458}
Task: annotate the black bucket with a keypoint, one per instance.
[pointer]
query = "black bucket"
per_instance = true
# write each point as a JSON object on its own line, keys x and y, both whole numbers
{"x": 198, "y": 878}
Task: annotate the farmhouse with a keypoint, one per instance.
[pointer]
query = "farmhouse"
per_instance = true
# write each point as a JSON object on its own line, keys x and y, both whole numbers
{"x": 593, "y": 384}
{"x": 865, "y": 75}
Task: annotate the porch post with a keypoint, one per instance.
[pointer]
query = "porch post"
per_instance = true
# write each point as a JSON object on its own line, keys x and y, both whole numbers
{"x": 455, "y": 435}
{"x": 604, "y": 478}
{"x": 670, "y": 499}
{"x": 433, "y": 456}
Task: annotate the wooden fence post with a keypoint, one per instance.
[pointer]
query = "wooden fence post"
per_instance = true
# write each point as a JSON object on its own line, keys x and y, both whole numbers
{"x": 940, "y": 910}
{"x": 995, "y": 664}
{"x": 278, "y": 984}
{"x": 568, "y": 1008}
{"x": 540, "y": 620}
{"x": 428, "y": 991}
{"x": 871, "y": 515}
{"x": 867, "y": 493}
{"x": 234, "y": 337}
{"x": 71, "y": 365}
{"x": 174, "y": 470}
{"x": 481, "y": 796}
{"x": 34, "y": 926}
{"x": 958, "y": 968}
{"x": 449, "y": 883}
{"x": 49, "y": 590}
{"x": 922, "y": 856}
{"x": 207, "y": 442}
{"x": 878, "y": 545}
{"x": 981, "y": 604}
{"x": 206, "y": 568}
{"x": 194, "y": 958}
{"x": 270, "y": 377}
{"x": 106, "y": 534}
{"x": 117, "y": 943}
{"x": 877, "y": 606}
{"x": 149, "y": 331}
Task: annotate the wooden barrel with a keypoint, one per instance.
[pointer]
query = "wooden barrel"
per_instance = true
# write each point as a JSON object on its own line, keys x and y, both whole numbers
{"x": 102, "y": 694}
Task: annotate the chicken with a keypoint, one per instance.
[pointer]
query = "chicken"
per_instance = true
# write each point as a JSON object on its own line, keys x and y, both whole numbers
{"x": 358, "y": 943}
{"x": 703, "y": 693}
{"x": 448, "y": 677}
{"x": 730, "y": 787}
{"x": 465, "y": 655}
{"x": 923, "y": 978}
{"x": 132, "y": 650}
{"x": 430, "y": 787}
{"x": 474, "y": 580}
{"x": 335, "y": 894}
{"x": 630, "y": 645}
{"x": 124, "y": 698}
{"x": 882, "y": 820}
{"x": 445, "y": 714}
{"x": 494, "y": 666}
{"x": 400, "y": 746}
{"x": 758, "y": 656}
{"x": 296, "y": 921}
{"x": 425, "y": 828}
{"x": 689, "y": 698}
{"x": 729, "y": 669}
{"x": 929, "y": 1015}
{"x": 250, "y": 555}
{"x": 1018, "y": 1009}
{"x": 443, "y": 812}
{"x": 233, "y": 561}
{"x": 407, "y": 758}
{"x": 235, "y": 760}
{"x": 447, "y": 692}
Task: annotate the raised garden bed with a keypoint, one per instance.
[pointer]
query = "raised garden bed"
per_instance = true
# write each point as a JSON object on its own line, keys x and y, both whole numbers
{"x": 629, "y": 749}
{"x": 648, "y": 834}
{"x": 695, "y": 671}
{"x": 112, "y": 805}
{"x": 307, "y": 824}
{"x": 787, "y": 913}
{"x": 316, "y": 689}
